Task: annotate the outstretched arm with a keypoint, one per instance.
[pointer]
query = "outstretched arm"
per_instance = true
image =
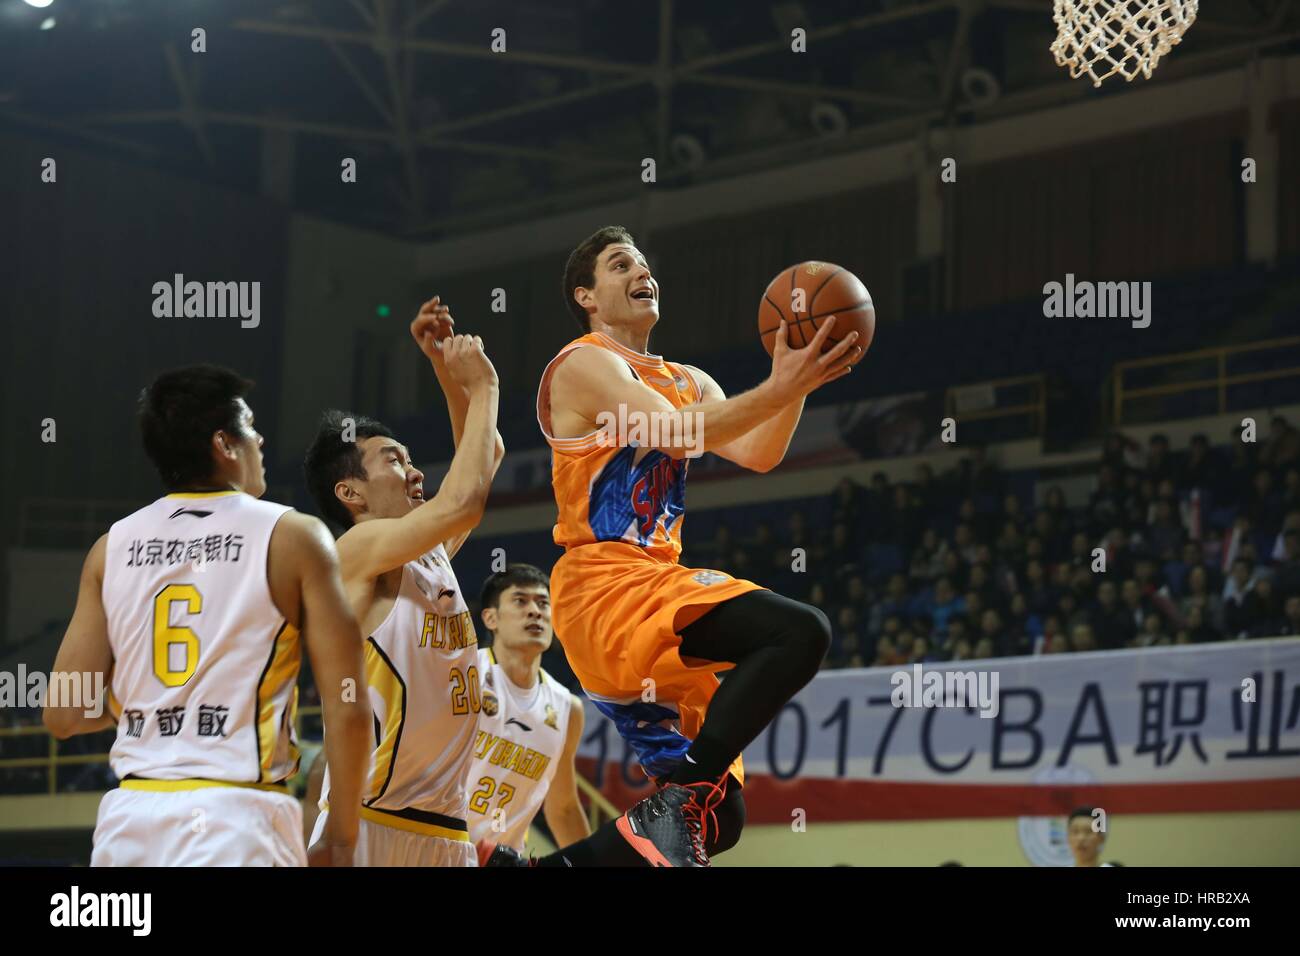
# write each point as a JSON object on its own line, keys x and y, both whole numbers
{"x": 592, "y": 388}
{"x": 763, "y": 447}
{"x": 370, "y": 548}
{"x": 434, "y": 324}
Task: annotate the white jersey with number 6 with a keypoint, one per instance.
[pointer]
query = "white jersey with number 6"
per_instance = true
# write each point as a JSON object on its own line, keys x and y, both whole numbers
{"x": 205, "y": 666}
{"x": 521, "y": 735}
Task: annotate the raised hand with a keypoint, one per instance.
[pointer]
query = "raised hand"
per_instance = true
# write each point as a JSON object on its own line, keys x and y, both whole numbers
{"x": 467, "y": 363}
{"x": 432, "y": 325}
{"x": 797, "y": 372}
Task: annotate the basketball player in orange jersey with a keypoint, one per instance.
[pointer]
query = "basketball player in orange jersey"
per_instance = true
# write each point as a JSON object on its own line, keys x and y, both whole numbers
{"x": 644, "y": 635}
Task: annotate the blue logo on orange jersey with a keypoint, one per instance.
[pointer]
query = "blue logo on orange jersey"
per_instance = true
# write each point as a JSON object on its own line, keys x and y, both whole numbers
{"x": 638, "y": 494}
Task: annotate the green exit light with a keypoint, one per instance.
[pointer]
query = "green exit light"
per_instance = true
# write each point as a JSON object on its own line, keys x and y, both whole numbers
{"x": 383, "y": 311}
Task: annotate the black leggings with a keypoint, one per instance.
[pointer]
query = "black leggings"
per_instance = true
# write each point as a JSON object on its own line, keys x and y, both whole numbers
{"x": 777, "y": 646}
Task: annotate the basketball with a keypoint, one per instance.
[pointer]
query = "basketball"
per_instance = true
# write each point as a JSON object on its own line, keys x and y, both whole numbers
{"x": 808, "y": 294}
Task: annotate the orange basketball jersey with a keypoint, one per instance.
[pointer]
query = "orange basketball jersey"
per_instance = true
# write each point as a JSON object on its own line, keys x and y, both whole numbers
{"x": 619, "y": 597}
{"x": 603, "y": 492}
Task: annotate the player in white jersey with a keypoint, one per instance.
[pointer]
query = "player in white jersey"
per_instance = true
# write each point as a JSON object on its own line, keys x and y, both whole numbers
{"x": 420, "y": 647}
{"x": 530, "y": 726}
{"x": 198, "y": 606}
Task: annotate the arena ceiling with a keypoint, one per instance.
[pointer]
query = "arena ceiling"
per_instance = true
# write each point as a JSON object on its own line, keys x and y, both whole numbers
{"x": 450, "y": 136}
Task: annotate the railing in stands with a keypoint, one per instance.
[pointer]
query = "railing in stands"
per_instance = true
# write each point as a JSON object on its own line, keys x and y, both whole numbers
{"x": 599, "y": 808}
{"x": 51, "y": 761}
{"x": 979, "y": 401}
{"x": 1221, "y": 380}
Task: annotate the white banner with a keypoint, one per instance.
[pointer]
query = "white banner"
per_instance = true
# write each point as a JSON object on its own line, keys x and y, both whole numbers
{"x": 1199, "y": 728}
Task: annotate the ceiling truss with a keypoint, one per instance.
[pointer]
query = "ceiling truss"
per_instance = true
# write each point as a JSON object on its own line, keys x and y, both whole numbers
{"x": 381, "y": 31}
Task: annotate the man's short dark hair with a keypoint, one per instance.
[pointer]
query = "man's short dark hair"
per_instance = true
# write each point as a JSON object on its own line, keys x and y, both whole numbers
{"x": 580, "y": 269}
{"x": 514, "y": 576}
{"x": 330, "y": 460}
{"x": 180, "y": 411}
{"x": 1089, "y": 812}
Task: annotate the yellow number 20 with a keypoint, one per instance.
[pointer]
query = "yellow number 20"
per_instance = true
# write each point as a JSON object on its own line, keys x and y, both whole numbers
{"x": 464, "y": 691}
{"x": 165, "y": 635}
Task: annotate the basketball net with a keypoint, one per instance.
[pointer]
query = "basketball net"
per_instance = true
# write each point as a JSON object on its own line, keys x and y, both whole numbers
{"x": 1099, "y": 38}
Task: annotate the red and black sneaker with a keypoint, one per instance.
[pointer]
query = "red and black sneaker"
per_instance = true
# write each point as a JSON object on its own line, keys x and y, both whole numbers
{"x": 670, "y": 827}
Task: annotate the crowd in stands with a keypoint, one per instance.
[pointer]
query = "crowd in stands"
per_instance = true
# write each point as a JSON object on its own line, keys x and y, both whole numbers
{"x": 1199, "y": 544}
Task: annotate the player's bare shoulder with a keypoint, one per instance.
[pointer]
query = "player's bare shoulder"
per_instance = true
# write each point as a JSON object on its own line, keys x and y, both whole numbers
{"x": 301, "y": 545}
{"x": 586, "y": 367}
{"x": 96, "y": 557}
{"x": 302, "y": 537}
{"x": 577, "y": 714}
{"x": 581, "y": 385}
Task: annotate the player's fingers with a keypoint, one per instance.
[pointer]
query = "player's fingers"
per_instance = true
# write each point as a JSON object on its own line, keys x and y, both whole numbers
{"x": 840, "y": 348}
{"x": 848, "y": 360}
{"x": 779, "y": 340}
{"x": 820, "y": 338}
{"x": 840, "y": 373}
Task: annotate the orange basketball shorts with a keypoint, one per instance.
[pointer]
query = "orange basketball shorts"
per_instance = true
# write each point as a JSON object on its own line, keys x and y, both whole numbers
{"x": 619, "y": 614}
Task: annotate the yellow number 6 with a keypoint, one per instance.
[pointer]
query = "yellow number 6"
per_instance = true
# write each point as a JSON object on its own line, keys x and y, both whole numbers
{"x": 164, "y": 635}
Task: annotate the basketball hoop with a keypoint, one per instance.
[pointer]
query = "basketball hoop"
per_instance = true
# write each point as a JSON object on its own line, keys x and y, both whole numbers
{"x": 1099, "y": 38}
